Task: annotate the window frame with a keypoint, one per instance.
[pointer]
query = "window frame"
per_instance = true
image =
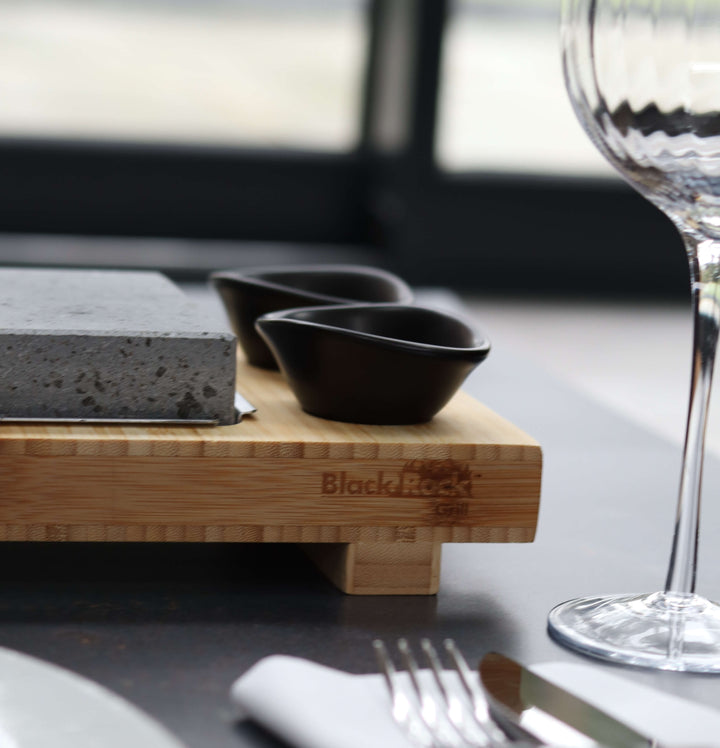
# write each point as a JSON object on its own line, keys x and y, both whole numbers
{"x": 387, "y": 199}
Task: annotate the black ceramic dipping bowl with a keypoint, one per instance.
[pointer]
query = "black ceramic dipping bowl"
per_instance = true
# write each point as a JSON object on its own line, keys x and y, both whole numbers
{"x": 373, "y": 363}
{"x": 248, "y": 294}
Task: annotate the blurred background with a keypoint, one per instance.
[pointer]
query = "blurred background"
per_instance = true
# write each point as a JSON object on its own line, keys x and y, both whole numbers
{"x": 283, "y": 73}
{"x": 432, "y": 137}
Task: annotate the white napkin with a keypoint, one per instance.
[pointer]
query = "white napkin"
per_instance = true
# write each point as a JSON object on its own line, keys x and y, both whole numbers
{"x": 313, "y": 706}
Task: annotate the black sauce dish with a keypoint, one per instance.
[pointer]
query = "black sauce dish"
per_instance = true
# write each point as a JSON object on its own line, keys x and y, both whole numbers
{"x": 373, "y": 363}
{"x": 250, "y": 293}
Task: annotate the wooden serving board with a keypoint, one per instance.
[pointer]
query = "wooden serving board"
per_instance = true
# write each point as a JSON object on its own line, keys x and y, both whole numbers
{"x": 371, "y": 504}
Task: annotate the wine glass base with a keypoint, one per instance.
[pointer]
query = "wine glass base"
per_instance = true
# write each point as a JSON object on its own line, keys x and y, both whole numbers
{"x": 663, "y": 631}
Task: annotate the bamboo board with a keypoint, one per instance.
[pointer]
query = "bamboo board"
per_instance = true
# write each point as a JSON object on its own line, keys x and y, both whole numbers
{"x": 371, "y": 504}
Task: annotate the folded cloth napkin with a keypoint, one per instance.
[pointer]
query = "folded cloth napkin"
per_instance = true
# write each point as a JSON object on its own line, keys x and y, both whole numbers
{"x": 313, "y": 706}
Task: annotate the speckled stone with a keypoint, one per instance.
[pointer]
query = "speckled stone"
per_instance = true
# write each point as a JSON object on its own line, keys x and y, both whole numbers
{"x": 107, "y": 345}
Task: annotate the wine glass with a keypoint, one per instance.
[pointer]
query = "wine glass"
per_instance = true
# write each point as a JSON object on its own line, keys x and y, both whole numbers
{"x": 644, "y": 80}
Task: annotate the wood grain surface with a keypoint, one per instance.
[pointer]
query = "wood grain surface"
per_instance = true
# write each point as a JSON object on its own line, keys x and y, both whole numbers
{"x": 281, "y": 475}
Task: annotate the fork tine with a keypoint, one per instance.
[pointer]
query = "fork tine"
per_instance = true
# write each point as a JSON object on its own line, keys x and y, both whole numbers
{"x": 480, "y": 711}
{"x": 454, "y": 709}
{"x": 427, "y": 704}
{"x": 435, "y": 665}
{"x": 458, "y": 707}
{"x": 433, "y": 703}
{"x": 439, "y": 710}
{"x": 405, "y": 709}
{"x": 428, "y": 707}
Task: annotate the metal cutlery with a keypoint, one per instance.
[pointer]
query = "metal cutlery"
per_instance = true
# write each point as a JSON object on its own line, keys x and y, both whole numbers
{"x": 518, "y": 696}
{"x": 434, "y": 707}
{"x": 242, "y": 407}
{"x": 508, "y": 706}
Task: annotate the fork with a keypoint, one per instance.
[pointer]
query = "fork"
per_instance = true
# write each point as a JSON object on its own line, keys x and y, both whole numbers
{"x": 438, "y": 709}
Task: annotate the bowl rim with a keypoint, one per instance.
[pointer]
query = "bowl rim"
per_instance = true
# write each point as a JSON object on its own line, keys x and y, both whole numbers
{"x": 477, "y": 352}
{"x": 253, "y": 276}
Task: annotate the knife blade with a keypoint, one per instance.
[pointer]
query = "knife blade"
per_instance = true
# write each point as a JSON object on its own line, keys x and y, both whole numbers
{"x": 517, "y": 697}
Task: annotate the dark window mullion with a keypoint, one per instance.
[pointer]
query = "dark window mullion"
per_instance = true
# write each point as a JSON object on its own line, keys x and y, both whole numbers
{"x": 63, "y": 187}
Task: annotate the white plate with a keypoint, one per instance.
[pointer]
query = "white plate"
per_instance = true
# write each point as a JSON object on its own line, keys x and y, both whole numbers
{"x": 45, "y": 705}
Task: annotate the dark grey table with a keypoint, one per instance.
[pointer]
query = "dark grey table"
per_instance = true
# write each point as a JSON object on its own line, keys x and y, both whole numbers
{"x": 170, "y": 626}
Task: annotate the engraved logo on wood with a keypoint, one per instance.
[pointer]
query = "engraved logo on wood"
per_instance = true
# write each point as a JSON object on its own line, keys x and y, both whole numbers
{"x": 451, "y": 511}
{"x": 439, "y": 479}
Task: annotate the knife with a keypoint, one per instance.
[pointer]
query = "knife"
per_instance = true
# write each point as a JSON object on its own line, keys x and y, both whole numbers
{"x": 518, "y": 698}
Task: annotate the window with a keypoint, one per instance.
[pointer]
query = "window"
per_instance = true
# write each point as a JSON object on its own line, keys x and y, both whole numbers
{"x": 414, "y": 133}
{"x": 503, "y": 105}
{"x": 259, "y": 73}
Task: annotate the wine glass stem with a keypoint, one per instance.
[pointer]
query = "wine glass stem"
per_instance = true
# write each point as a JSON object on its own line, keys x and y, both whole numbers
{"x": 704, "y": 257}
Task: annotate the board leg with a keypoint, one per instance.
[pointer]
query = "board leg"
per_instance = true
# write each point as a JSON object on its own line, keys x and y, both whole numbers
{"x": 379, "y": 568}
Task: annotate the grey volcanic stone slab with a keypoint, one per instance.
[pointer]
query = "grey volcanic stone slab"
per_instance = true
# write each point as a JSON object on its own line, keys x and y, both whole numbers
{"x": 110, "y": 344}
